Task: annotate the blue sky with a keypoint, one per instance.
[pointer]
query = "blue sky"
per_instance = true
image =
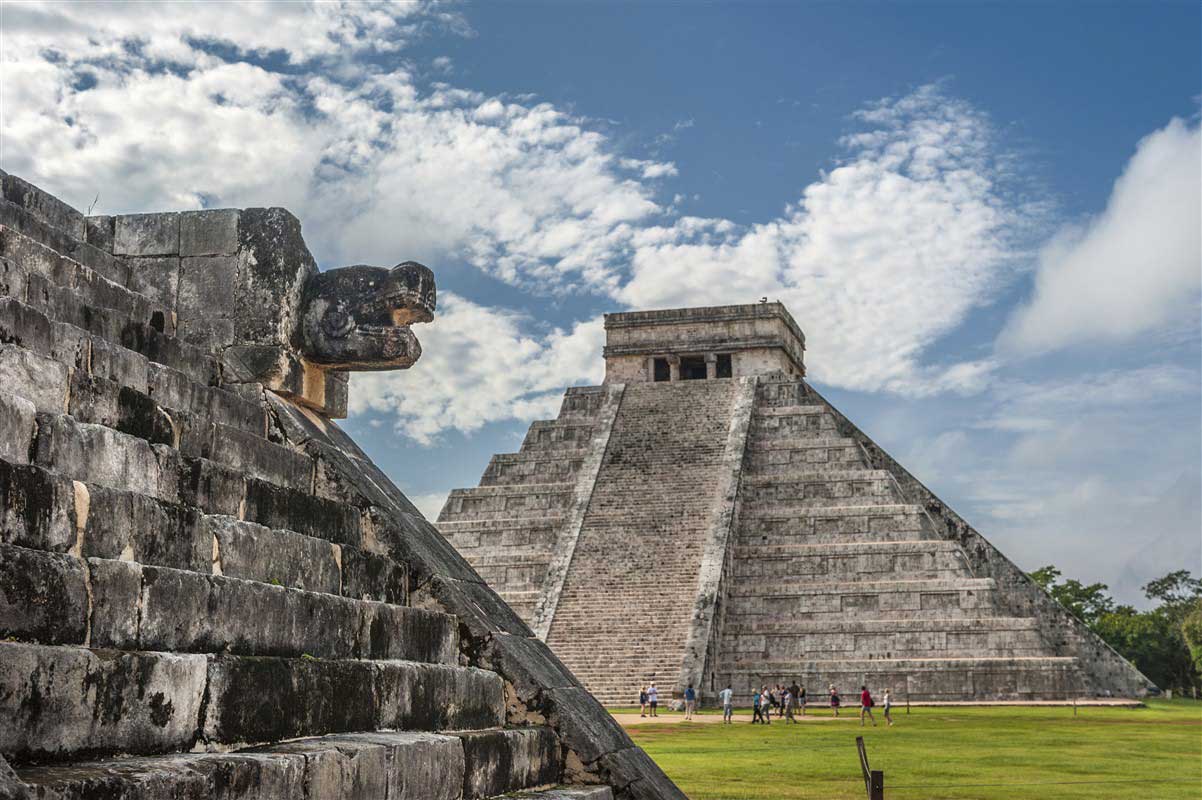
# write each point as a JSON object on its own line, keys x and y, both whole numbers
{"x": 985, "y": 217}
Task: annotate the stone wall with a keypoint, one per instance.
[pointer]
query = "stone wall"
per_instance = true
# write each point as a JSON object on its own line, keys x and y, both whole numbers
{"x": 206, "y": 588}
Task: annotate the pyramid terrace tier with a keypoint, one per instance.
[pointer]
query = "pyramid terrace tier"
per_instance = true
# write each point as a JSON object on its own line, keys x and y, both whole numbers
{"x": 865, "y": 561}
{"x": 832, "y": 525}
{"x": 532, "y": 467}
{"x": 811, "y": 487}
{"x": 519, "y": 500}
{"x": 772, "y": 455}
{"x": 835, "y": 601}
{"x": 781, "y": 641}
{"x": 927, "y": 679}
{"x": 568, "y": 436}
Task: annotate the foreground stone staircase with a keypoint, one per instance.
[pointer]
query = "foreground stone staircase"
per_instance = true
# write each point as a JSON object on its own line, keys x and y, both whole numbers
{"x": 207, "y": 590}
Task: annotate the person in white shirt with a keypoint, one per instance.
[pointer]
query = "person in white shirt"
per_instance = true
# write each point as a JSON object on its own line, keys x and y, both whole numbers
{"x": 653, "y": 699}
{"x": 728, "y": 697}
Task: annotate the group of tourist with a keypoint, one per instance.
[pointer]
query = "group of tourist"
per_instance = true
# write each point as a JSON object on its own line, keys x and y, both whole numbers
{"x": 783, "y": 700}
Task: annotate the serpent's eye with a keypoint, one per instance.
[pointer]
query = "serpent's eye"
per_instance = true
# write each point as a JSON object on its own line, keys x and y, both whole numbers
{"x": 337, "y": 323}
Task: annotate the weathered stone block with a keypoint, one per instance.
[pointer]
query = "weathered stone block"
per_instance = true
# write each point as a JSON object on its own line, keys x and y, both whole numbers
{"x": 634, "y": 775}
{"x": 17, "y": 425}
{"x": 156, "y": 277}
{"x": 146, "y": 235}
{"x": 529, "y": 665}
{"x": 270, "y": 699}
{"x": 37, "y": 508}
{"x": 208, "y": 233}
{"x": 499, "y": 762}
{"x": 254, "y": 552}
{"x": 278, "y": 507}
{"x": 370, "y": 576}
{"x": 96, "y": 454}
{"x": 116, "y": 603}
{"x": 40, "y": 380}
{"x": 437, "y": 697}
{"x": 43, "y": 596}
{"x": 99, "y": 232}
{"x": 58, "y": 701}
{"x": 258, "y": 458}
{"x": 186, "y": 612}
{"x": 211, "y": 487}
{"x": 118, "y": 364}
{"x": 134, "y": 527}
{"x": 414, "y": 634}
{"x": 206, "y": 286}
{"x": 25, "y": 326}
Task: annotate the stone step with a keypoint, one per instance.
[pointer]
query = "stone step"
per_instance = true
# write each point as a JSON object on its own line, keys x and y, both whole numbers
{"x": 521, "y": 501}
{"x": 553, "y": 435}
{"x": 34, "y": 249}
{"x": 530, "y": 468}
{"x": 399, "y": 765}
{"x": 61, "y": 701}
{"x": 44, "y": 510}
{"x": 106, "y": 311}
{"x": 53, "y": 598}
{"x": 394, "y": 764}
{"x": 51, "y": 222}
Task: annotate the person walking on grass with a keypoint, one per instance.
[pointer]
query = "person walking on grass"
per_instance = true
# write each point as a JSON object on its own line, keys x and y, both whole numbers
{"x": 690, "y": 701}
{"x": 728, "y": 698}
{"x": 756, "y": 714}
{"x": 886, "y": 707}
{"x": 866, "y": 704}
{"x": 788, "y": 700}
{"x": 801, "y": 699}
{"x": 642, "y": 701}
{"x": 766, "y": 705}
{"x": 835, "y": 700}
{"x": 653, "y": 699}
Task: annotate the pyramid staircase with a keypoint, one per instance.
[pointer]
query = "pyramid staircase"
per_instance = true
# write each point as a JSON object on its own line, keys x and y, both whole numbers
{"x": 207, "y": 591}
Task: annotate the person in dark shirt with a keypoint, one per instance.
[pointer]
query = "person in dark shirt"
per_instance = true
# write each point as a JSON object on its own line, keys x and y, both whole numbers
{"x": 642, "y": 701}
{"x": 866, "y": 704}
{"x": 799, "y": 701}
{"x": 690, "y": 701}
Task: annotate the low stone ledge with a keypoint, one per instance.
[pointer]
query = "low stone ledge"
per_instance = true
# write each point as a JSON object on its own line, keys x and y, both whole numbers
{"x": 66, "y": 701}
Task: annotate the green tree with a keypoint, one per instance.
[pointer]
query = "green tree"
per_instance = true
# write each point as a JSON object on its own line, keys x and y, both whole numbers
{"x": 1086, "y": 602}
{"x": 1191, "y": 629}
{"x": 1165, "y": 643}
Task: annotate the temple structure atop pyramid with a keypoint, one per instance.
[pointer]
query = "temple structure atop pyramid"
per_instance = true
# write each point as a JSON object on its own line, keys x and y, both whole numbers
{"x": 706, "y": 517}
{"x": 207, "y": 590}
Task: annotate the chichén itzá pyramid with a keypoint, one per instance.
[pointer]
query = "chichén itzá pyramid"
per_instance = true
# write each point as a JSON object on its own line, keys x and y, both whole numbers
{"x": 706, "y": 517}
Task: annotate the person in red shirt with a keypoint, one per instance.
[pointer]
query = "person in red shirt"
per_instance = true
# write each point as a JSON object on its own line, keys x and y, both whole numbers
{"x": 866, "y": 705}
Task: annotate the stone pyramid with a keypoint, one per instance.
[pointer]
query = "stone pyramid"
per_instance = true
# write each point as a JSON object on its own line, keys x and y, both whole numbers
{"x": 705, "y": 517}
{"x": 206, "y": 589}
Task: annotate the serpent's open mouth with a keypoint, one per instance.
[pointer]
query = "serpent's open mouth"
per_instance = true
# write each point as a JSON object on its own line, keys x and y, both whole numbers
{"x": 358, "y": 317}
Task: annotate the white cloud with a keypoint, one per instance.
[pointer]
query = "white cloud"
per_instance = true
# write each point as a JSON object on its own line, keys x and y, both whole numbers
{"x": 887, "y": 252}
{"x": 429, "y": 503}
{"x": 1136, "y": 267}
{"x": 478, "y": 366}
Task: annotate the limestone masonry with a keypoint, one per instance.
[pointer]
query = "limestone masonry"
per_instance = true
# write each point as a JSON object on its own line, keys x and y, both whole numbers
{"x": 705, "y": 517}
{"x": 206, "y": 589}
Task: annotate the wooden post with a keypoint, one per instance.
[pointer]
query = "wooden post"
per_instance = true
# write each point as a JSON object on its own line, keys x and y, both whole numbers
{"x": 1074, "y": 707}
{"x": 876, "y": 788}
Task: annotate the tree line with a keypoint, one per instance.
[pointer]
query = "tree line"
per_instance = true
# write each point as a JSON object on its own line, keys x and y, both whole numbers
{"x": 1165, "y": 642}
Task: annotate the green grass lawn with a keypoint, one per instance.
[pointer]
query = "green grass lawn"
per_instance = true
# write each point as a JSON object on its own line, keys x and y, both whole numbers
{"x": 1149, "y": 754}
